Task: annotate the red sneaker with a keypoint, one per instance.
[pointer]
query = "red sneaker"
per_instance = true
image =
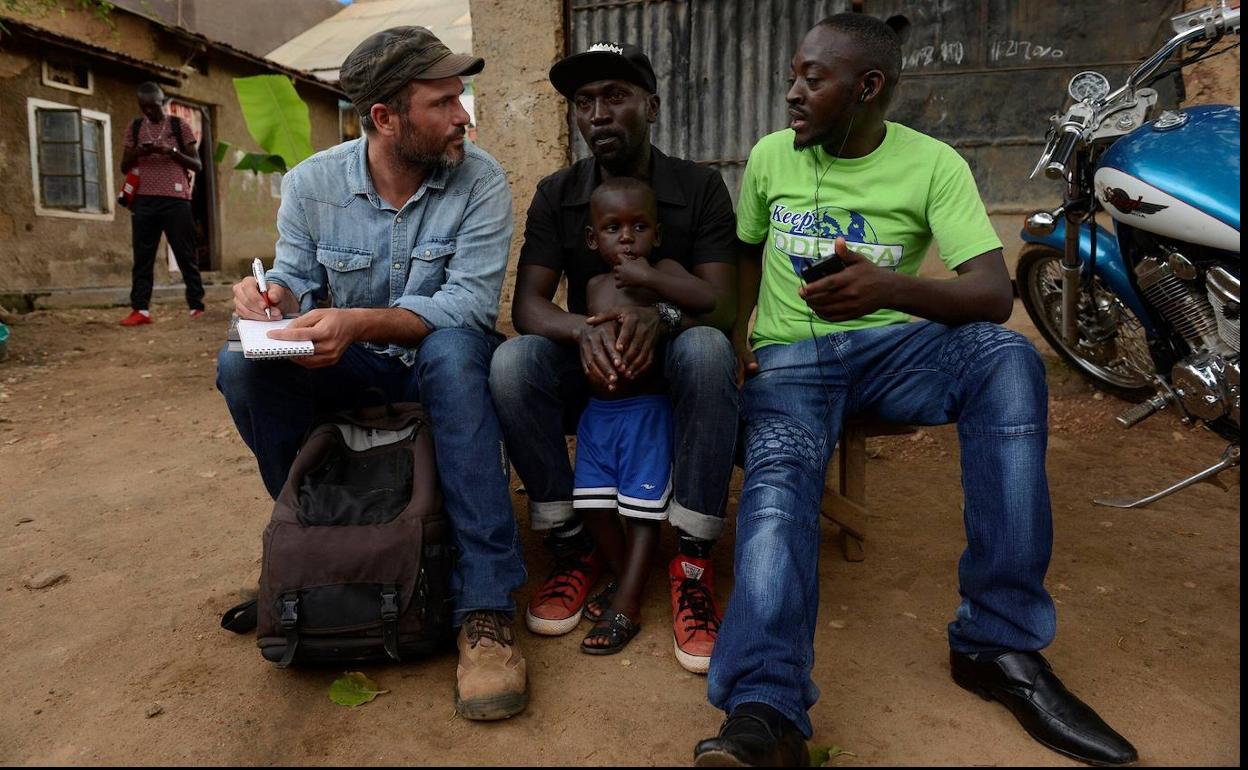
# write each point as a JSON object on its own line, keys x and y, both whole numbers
{"x": 135, "y": 319}
{"x": 556, "y": 607}
{"x": 196, "y": 312}
{"x": 695, "y": 621}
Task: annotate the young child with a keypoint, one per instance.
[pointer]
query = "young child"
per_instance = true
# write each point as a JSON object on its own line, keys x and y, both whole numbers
{"x": 624, "y": 440}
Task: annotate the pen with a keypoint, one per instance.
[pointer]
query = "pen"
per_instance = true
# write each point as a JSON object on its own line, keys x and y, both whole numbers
{"x": 257, "y": 269}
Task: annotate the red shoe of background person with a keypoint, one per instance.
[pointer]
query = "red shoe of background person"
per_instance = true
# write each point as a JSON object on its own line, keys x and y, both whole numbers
{"x": 556, "y": 607}
{"x": 695, "y": 621}
{"x": 135, "y": 319}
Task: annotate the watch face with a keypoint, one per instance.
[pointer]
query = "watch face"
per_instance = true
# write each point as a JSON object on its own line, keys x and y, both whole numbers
{"x": 669, "y": 314}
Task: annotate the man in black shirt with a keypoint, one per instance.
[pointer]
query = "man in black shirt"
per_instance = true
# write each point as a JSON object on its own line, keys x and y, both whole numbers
{"x": 539, "y": 381}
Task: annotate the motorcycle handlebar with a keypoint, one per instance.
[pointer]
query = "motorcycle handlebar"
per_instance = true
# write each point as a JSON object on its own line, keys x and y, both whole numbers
{"x": 1210, "y": 23}
{"x": 1057, "y": 167}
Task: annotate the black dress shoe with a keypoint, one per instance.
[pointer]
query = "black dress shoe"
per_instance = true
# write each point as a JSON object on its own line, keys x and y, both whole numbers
{"x": 1025, "y": 683}
{"x": 754, "y": 735}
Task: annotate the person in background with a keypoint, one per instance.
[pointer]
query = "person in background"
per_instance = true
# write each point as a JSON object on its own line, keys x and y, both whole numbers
{"x": 161, "y": 149}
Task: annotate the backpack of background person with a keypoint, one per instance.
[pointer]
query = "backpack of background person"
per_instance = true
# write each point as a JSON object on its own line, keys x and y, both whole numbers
{"x": 358, "y": 556}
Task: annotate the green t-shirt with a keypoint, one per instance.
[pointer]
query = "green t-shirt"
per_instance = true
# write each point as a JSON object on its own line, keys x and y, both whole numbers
{"x": 888, "y": 205}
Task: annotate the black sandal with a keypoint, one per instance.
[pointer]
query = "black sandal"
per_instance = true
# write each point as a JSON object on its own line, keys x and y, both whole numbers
{"x": 602, "y": 599}
{"x": 619, "y": 631}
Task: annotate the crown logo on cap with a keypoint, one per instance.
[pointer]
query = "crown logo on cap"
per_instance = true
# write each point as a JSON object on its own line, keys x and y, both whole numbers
{"x": 614, "y": 48}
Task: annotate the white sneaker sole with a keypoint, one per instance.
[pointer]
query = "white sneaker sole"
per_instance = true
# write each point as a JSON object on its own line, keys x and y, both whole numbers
{"x": 696, "y": 664}
{"x": 544, "y": 627}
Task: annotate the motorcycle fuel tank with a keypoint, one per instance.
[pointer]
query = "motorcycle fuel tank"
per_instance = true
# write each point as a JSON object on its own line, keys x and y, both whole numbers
{"x": 1177, "y": 176}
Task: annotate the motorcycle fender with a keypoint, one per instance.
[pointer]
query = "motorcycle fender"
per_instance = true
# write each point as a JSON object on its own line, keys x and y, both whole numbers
{"x": 1110, "y": 266}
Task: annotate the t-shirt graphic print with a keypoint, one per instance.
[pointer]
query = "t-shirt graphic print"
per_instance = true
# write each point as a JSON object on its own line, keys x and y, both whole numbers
{"x": 889, "y": 205}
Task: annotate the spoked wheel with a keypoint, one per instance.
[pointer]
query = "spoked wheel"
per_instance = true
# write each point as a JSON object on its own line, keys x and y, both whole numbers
{"x": 1112, "y": 350}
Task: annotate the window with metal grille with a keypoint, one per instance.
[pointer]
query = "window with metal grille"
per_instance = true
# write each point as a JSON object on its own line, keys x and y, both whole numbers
{"x": 69, "y": 159}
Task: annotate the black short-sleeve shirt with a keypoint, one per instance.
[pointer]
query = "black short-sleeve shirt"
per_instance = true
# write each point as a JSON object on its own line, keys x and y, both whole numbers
{"x": 694, "y": 210}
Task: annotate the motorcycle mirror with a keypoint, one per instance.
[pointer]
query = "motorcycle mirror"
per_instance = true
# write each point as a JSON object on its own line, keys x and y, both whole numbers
{"x": 1041, "y": 223}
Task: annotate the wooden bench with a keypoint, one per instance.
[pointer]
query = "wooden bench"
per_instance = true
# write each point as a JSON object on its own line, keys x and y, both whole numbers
{"x": 845, "y": 503}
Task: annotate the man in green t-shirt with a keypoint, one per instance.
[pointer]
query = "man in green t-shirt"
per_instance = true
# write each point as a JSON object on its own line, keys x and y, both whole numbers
{"x": 843, "y": 181}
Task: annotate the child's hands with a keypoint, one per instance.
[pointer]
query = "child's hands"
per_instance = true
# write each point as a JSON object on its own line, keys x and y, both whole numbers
{"x": 632, "y": 273}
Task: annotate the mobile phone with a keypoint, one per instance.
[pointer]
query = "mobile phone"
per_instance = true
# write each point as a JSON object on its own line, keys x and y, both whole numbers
{"x": 829, "y": 265}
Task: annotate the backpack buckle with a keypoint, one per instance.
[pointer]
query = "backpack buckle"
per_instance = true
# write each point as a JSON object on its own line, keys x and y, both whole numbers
{"x": 389, "y": 605}
{"x": 290, "y": 611}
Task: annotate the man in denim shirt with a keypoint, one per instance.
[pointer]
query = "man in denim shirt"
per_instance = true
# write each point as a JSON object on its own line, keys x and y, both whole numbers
{"x": 407, "y": 230}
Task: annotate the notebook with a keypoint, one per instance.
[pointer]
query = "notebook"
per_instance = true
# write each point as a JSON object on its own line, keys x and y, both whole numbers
{"x": 256, "y": 344}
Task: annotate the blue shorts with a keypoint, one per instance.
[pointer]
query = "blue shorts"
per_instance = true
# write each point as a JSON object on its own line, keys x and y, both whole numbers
{"x": 624, "y": 456}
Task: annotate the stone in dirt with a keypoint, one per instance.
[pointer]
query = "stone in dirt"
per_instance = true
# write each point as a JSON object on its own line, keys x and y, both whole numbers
{"x": 45, "y": 579}
{"x": 153, "y": 710}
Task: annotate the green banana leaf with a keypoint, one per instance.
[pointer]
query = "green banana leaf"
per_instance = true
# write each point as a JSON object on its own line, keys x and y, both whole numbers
{"x": 262, "y": 163}
{"x": 276, "y": 117}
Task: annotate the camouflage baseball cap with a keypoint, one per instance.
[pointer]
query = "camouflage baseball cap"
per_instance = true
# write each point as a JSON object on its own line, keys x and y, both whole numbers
{"x": 390, "y": 59}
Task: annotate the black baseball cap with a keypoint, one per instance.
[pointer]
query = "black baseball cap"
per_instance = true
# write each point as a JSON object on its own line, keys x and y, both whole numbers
{"x": 603, "y": 61}
{"x": 390, "y": 59}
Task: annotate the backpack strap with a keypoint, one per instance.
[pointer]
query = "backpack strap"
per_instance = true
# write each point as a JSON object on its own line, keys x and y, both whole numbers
{"x": 290, "y": 624}
{"x": 175, "y": 123}
{"x": 390, "y": 619}
{"x": 241, "y": 618}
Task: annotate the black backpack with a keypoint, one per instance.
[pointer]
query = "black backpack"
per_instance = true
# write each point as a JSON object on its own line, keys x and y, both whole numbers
{"x": 358, "y": 554}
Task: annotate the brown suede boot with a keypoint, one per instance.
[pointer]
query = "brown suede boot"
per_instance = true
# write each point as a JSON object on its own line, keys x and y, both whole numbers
{"x": 491, "y": 682}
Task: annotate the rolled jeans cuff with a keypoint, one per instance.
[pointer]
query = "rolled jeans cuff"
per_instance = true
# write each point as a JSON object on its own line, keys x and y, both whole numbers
{"x": 692, "y": 523}
{"x": 550, "y": 514}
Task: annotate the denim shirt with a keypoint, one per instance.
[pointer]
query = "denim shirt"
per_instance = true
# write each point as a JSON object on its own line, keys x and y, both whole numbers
{"x": 442, "y": 255}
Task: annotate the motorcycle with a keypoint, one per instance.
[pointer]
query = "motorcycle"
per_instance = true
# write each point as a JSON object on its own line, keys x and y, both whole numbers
{"x": 1149, "y": 311}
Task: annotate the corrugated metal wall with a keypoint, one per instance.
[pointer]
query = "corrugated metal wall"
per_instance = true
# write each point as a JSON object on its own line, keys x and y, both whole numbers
{"x": 721, "y": 66}
{"x": 982, "y": 75}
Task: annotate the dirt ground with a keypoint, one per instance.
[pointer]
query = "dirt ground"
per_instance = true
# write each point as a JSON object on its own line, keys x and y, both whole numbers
{"x": 120, "y": 466}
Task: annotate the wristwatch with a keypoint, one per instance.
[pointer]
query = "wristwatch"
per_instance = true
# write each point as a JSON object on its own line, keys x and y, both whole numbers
{"x": 669, "y": 315}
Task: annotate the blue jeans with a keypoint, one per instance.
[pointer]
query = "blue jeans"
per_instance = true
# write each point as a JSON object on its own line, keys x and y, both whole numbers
{"x": 988, "y": 380}
{"x": 539, "y": 388}
{"x": 273, "y": 404}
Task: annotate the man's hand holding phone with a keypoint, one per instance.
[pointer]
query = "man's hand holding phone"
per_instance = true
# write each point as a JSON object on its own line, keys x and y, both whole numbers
{"x": 851, "y": 289}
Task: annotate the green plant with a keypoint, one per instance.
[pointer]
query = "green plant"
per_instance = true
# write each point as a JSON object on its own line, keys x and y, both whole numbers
{"x": 277, "y": 119}
{"x": 99, "y": 8}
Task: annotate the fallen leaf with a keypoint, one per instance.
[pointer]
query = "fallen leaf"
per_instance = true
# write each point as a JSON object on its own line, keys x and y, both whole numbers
{"x": 819, "y": 755}
{"x": 354, "y": 689}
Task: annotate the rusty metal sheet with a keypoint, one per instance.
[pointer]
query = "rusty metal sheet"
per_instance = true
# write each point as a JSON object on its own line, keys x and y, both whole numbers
{"x": 983, "y": 75}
